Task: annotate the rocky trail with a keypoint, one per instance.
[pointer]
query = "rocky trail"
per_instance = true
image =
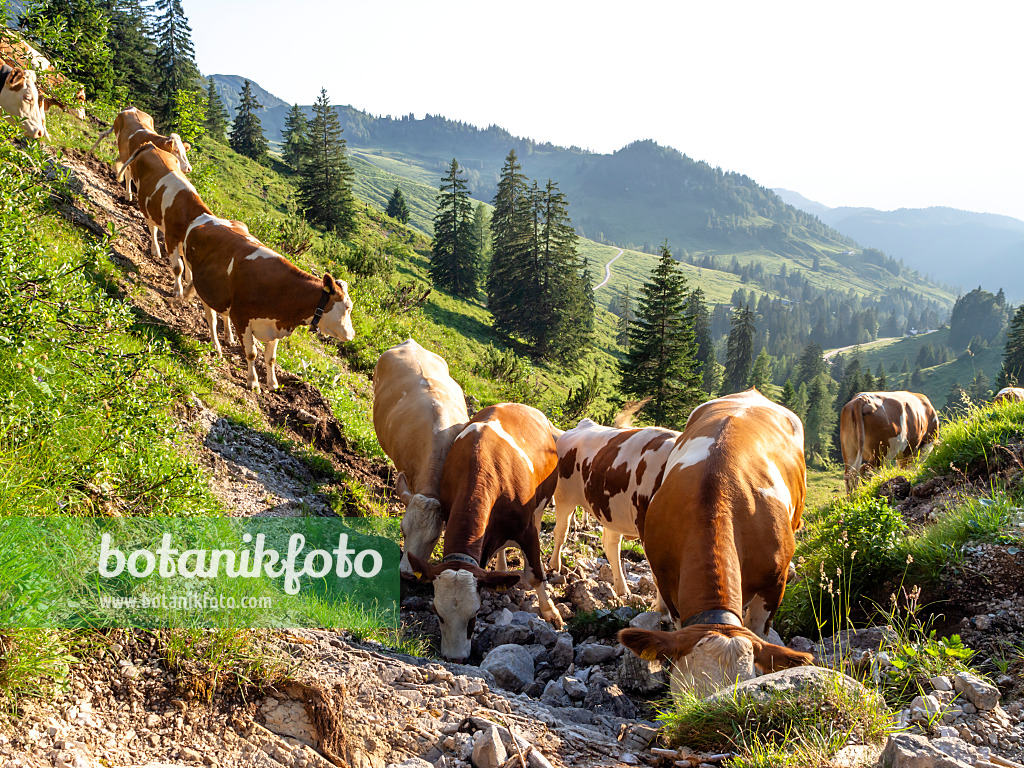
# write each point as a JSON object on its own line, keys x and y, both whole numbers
{"x": 537, "y": 698}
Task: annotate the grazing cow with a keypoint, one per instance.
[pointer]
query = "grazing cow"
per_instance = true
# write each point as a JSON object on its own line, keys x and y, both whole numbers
{"x": 499, "y": 476}
{"x": 418, "y": 411}
{"x": 132, "y": 127}
{"x": 611, "y": 473}
{"x": 1009, "y": 395}
{"x": 20, "y": 100}
{"x": 18, "y": 53}
{"x": 719, "y": 537}
{"x": 876, "y": 427}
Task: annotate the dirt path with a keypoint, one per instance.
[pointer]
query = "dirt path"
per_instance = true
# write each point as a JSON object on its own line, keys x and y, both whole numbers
{"x": 608, "y": 271}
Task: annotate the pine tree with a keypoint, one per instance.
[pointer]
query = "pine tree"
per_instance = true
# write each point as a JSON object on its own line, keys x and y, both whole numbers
{"x": 1012, "y": 372}
{"x": 397, "y": 208}
{"x": 453, "y": 260}
{"x": 294, "y": 138}
{"x": 660, "y": 362}
{"x": 511, "y": 225}
{"x": 739, "y": 351}
{"x": 216, "y": 115}
{"x": 881, "y": 380}
{"x": 247, "y": 133}
{"x": 131, "y": 36}
{"x": 790, "y": 398}
{"x": 325, "y": 176}
{"x": 978, "y": 390}
{"x": 811, "y": 363}
{"x": 175, "y": 57}
{"x": 624, "y": 310}
{"x": 820, "y": 421}
{"x": 761, "y": 374}
{"x": 696, "y": 308}
{"x": 482, "y": 235}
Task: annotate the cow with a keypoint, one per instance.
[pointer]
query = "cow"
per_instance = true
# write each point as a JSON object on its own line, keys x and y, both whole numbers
{"x": 418, "y": 411}
{"x": 611, "y": 473}
{"x": 21, "y": 102}
{"x": 1009, "y": 395}
{"x": 876, "y": 427}
{"x": 132, "y": 127}
{"x": 18, "y": 53}
{"x": 719, "y": 537}
{"x": 498, "y": 478}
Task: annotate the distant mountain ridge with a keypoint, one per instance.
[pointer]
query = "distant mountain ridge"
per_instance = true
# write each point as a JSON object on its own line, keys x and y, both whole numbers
{"x": 962, "y": 248}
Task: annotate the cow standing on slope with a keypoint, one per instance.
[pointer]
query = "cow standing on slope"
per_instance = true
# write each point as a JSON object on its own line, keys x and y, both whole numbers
{"x": 613, "y": 474}
{"x": 261, "y": 292}
{"x": 498, "y": 478}
{"x": 21, "y": 102}
{"x": 719, "y": 537}
{"x": 17, "y": 53}
{"x": 876, "y": 427}
{"x": 418, "y": 411}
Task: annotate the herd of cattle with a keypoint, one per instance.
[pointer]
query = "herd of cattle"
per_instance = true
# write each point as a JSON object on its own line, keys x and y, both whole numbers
{"x": 715, "y": 505}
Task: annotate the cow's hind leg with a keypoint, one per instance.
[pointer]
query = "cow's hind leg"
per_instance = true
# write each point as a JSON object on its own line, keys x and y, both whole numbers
{"x": 229, "y": 334}
{"x": 533, "y": 576}
{"x": 611, "y": 541}
{"x": 249, "y": 343}
{"x": 563, "y": 511}
{"x": 211, "y": 319}
{"x": 270, "y": 357}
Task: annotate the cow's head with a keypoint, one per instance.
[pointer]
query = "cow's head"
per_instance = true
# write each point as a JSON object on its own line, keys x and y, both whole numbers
{"x": 19, "y": 99}
{"x": 706, "y": 658}
{"x": 421, "y": 523}
{"x": 337, "y": 319}
{"x": 457, "y": 599}
{"x": 179, "y": 150}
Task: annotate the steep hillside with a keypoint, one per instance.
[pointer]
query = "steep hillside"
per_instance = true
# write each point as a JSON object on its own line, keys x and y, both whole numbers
{"x": 961, "y": 248}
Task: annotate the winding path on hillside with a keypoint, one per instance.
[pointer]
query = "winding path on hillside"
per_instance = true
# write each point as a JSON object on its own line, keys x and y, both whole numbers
{"x": 608, "y": 271}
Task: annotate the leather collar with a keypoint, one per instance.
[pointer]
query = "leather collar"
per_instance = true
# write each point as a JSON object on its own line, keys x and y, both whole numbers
{"x": 458, "y": 557}
{"x": 319, "y": 310}
{"x": 716, "y": 616}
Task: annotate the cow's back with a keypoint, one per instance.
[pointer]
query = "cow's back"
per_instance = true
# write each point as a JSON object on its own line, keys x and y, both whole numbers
{"x": 732, "y": 495}
{"x": 418, "y": 411}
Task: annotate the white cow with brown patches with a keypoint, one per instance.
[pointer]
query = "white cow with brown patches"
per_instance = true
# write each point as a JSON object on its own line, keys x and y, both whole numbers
{"x": 719, "y": 537}
{"x": 21, "y": 102}
{"x": 612, "y": 474}
{"x": 1009, "y": 395}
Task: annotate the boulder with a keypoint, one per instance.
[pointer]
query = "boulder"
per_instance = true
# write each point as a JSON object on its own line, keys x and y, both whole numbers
{"x": 647, "y": 620}
{"x": 981, "y": 694}
{"x": 489, "y": 750}
{"x": 588, "y": 654}
{"x": 795, "y": 680}
{"x": 562, "y": 654}
{"x": 908, "y": 750}
{"x": 511, "y": 665}
{"x": 638, "y": 675}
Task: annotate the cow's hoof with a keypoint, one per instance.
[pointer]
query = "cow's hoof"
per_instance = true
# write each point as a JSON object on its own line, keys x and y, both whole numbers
{"x": 555, "y": 620}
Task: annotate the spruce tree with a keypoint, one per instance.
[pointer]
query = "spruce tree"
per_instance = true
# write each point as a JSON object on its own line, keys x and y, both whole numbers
{"x": 247, "y": 133}
{"x": 175, "y": 57}
{"x": 453, "y": 259}
{"x": 698, "y": 310}
{"x": 511, "y": 225}
{"x": 325, "y": 176}
{"x": 739, "y": 351}
{"x": 660, "y": 362}
{"x": 294, "y": 138}
{"x": 1012, "y": 372}
{"x": 820, "y": 420}
{"x": 761, "y": 374}
{"x": 130, "y": 36}
{"x": 482, "y": 234}
{"x": 397, "y": 208}
{"x": 216, "y": 115}
{"x": 624, "y": 310}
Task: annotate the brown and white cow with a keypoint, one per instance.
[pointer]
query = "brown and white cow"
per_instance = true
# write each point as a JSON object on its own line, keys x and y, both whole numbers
{"x": 17, "y": 53}
{"x": 132, "y": 127}
{"x": 20, "y": 101}
{"x": 611, "y": 473}
{"x": 876, "y": 427}
{"x": 418, "y": 411}
{"x": 1009, "y": 395}
{"x": 719, "y": 538}
{"x": 498, "y": 478}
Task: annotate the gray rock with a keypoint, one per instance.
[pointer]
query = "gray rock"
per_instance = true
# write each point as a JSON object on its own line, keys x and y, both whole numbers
{"x": 517, "y": 634}
{"x": 957, "y": 748}
{"x": 561, "y": 654}
{"x": 624, "y": 613}
{"x": 608, "y": 700}
{"x": 523, "y": 617}
{"x": 802, "y": 644}
{"x": 639, "y": 675}
{"x": 503, "y": 618}
{"x": 940, "y": 683}
{"x": 511, "y": 665}
{"x": 574, "y": 715}
{"x": 412, "y": 762}
{"x": 543, "y": 632}
{"x": 489, "y": 750}
{"x": 573, "y": 687}
{"x": 589, "y": 654}
{"x": 791, "y": 681}
{"x": 925, "y": 708}
{"x": 908, "y": 750}
{"x": 554, "y": 694}
{"x": 647, "y": 620}
{"x": 981, "y": 694}
{"x": 773, "y": 637}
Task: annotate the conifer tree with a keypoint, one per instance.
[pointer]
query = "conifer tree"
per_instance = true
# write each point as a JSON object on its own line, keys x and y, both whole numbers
{"x": 482, "y": 234}
{"x": 511, "y": 226}
{"x": 247, "y": 133}
{"x": 216, "y": 115}
{"x": 325, "y": 176}
{"x": 175, "y": 57}
{"x": 397, "y": 208}
{"x": 660, "y": 362}
{"x": 739, "y": 351}
{"x": 698, "y": 310}
{"x": 761, "y": 374}
{"x": 790, "y": 398}
{"x": 820, "y": 420}
{"x": 294, "y": 138}
{"x": 76, "y": 32}
{"x": 1012, "y": 372}
{"x": 130, "y": 35}
{"x": 453, "y": 259}
{"x": 624, "y": 310}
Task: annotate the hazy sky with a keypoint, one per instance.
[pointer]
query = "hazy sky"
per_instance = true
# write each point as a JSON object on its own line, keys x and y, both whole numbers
{"x": 883, "y": 104}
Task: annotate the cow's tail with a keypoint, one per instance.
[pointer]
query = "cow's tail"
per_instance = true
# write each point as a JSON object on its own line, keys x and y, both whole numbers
{"x": 624, "y": 418}
{"x": 856, "y": 462}
{"x": 101, "y": 137}
{"x": 134, "y": 155}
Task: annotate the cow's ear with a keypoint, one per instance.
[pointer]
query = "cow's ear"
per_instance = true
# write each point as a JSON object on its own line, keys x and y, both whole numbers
{"x": 769, "y": 657}
{"x": 421, "y": 570}
{"x": 187, "y": 146}
{"x": 402, "y": 489}
{"x": 650, "y": 644}
{"x": 500, "y": 580}
{"x": 330, "y": 284}
{"x": 16, "y": 80}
